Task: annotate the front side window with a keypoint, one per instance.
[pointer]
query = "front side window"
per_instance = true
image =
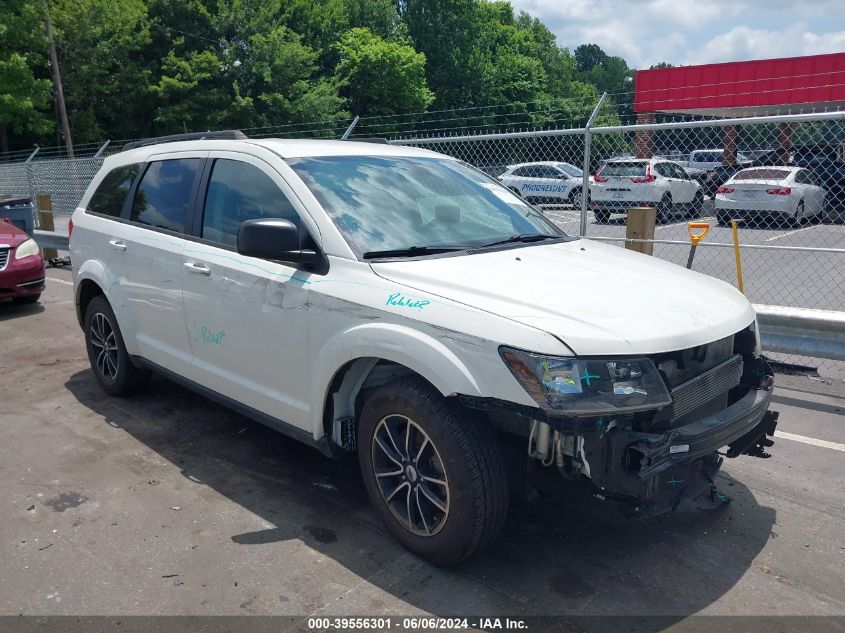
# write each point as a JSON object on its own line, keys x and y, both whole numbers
{"x": 381, "y": 203}
{"x": 238, "y": 192}
{"x": 678, "y": 172}
{"x": 110, "y": 195}
{"x": 663, "y": 169}
{"x": 572, "y": 170}
{"x": 164, "y": 194}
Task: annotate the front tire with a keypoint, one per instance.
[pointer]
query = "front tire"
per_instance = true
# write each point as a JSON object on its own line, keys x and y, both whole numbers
{"x": 798, "y": 220}
{"x": 433, "y": 471}
{"x": 107, "y": 353}
{"x": 602, "y": 217}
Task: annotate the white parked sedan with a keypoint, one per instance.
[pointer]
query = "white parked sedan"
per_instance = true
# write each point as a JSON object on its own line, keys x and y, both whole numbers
{"x": 778, "y": 193}
{"x": 545, "y": 182}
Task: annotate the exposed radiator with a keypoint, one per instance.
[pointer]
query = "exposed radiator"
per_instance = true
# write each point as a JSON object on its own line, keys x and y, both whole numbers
{"x": 704, "y": 387}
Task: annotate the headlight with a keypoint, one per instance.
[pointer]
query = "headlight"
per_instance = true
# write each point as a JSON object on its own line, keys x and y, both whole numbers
{"x": 578, "y": 387}
{"x": 27, "y": 249}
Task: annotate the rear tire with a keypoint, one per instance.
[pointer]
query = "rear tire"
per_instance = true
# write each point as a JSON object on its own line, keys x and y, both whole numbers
{"x": 27, "y": 300}
{"x": 602, "y": 217}
{"x": 665, "y": 209}
{"x": 433, "y": 471}
{"x": 575, "y": 198}
{"x": 696, "y": 205}
{"x": 723, "y": 219}
{"x": 107, "y": 353}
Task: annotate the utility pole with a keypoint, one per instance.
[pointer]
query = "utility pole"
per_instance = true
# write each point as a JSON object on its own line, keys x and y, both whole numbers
{"x": 57, "y": 80}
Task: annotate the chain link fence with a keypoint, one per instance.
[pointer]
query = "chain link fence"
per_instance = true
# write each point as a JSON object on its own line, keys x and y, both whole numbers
{"x": 781, "y": 177}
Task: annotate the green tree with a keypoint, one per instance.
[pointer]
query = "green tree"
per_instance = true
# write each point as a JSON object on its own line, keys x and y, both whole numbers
{"x": 243, "y": 68}
{"x": 588, "y": 56}
{"x": 381, "y": 77}
{"x": 24, "y": 89}
{"x": 100, "y": 45}
{"x": 321, "y": 23}
{"x": 449, "y": 33}
{"x": 557, "y": 62}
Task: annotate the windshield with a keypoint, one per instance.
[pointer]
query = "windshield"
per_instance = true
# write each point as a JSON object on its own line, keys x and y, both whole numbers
{"x": 571, "y": 170}
{"x": 384, "y": 203}
{"x": 632, "y": 169}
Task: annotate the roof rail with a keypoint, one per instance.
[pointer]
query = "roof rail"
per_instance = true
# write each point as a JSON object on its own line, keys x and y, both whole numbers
{"x": 369, "y": 139}
{"x": 190, "y": 136}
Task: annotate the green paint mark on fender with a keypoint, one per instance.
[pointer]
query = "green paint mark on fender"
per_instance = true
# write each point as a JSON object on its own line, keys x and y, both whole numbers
{"x": 398, "y": 299}
{"x": 206, "y": 335}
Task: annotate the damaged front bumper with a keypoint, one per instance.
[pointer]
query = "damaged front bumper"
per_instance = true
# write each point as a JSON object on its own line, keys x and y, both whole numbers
{"x": 675, "y": 469}
{"x": 650, "y": 464}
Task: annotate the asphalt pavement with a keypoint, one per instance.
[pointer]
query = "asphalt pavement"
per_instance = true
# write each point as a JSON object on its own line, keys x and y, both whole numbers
{"x": 166, "y": 503}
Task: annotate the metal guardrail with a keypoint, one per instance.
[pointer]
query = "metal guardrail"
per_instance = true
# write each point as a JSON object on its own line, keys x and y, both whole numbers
{"x": 803, "y": 332}
{"x": 51, "y": 239}
{"x": 799, "y": 331}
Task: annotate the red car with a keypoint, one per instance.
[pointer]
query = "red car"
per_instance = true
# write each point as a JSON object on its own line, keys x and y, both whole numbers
{"x": 21, "y": 265}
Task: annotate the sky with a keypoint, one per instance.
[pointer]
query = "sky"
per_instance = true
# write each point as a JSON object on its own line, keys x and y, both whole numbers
{"x": 645, "y": 32}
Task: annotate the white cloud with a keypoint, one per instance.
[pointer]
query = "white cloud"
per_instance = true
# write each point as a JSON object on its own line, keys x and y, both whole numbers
{"x": 645, "y": 32}
{"x": 743, "y": 42}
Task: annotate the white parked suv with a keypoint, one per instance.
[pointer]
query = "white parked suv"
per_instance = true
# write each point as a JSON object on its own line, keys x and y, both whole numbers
{"x": 400, "y": 305}
{"x": 622, "y": 183}
{"x": 545, "y": 182}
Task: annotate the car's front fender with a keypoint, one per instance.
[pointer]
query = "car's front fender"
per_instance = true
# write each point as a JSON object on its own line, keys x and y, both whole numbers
{"x": 449, "y": 361}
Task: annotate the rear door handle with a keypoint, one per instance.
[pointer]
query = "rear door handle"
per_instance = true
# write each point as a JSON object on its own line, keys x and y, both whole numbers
{"x": 117, "y": 245}
{"x": 197, "y": 269}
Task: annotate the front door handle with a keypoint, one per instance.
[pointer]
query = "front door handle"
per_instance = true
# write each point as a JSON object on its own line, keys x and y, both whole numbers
{"x": 197, "y": 269}
{"x": 117, "y": 245}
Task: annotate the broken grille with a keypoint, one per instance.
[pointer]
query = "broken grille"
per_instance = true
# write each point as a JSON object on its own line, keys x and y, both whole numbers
{"x": 704, "y": 387}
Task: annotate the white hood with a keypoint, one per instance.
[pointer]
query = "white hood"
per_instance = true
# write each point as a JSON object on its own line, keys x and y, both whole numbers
{"x": 596, "y": 298}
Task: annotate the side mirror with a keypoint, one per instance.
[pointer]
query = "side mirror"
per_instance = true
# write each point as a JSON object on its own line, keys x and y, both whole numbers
{"x": 275, "y": 239}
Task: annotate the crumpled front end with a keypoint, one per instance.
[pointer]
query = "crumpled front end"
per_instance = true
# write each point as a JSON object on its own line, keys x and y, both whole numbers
{"x": 675, "y": 469}
{"x": 667, "y": 457}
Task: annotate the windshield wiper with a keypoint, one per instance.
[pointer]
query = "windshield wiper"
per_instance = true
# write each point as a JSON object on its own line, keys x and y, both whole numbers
{"x": 522, "y": 237}
{"x": 413, "y": 251}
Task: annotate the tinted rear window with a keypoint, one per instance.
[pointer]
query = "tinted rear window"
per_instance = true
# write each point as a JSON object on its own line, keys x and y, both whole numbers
{"x": 164, "y": 194}
{"x": 762, "y": 174}
{"x": 624, "y": 170}
{"x": 109, "y": 197}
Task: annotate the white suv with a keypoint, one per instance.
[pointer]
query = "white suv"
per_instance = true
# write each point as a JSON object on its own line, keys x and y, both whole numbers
{"x": 545, "y": 182}
{"x": 399, "y": 304}
{"x": 622, "y": 183}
